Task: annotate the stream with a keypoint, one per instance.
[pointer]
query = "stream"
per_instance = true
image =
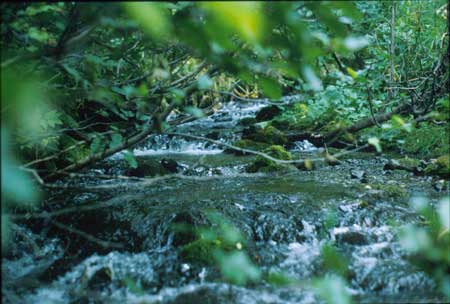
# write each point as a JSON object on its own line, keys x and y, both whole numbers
{"x": 283, "y": 216}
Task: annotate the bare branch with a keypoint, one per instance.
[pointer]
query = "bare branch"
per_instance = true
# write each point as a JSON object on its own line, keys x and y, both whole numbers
{"x": 90, "y": 238}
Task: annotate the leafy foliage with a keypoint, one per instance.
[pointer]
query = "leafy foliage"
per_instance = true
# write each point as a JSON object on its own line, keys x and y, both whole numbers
{"x": 428, "y": 245}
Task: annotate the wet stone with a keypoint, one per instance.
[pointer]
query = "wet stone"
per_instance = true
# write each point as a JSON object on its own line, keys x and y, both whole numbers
{"x": 274, "y": 227}
{"x": 352, "y": 238}
{"x": 100, "y": 279}
{"x": 170, "y": 165}
{"x": 358, "y": 174}
{"x": 267, "y": 113}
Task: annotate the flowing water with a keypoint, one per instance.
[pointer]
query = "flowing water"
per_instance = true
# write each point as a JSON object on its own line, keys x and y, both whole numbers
{"x": 284, "y": 216}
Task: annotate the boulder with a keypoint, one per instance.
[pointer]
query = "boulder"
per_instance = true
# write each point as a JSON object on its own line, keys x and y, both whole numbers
{"x": 269, "y": 135}
{"x": 262, "y": 164}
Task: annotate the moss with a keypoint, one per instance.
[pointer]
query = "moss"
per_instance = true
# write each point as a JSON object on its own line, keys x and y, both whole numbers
{"x": 203, "y": 250}
{"x": 425, "y": 141}
{"x": 439, "y": 167}
{"x": 268, "y": 134}
{"x": 392, "y": 191}
{"x": 428, "y": 140}
{"x": 262, "y": 164}
{"x": 363, "y": 204}
{"x": 246, "y": 121}
{"x": 274, "y": 136}
{"x": 247, "y": 144}
{"x": 200, "y": 250}
{"x": 282, "y": 123}
{"x": 409, "y": 162}
{"x": 444, "y": 161}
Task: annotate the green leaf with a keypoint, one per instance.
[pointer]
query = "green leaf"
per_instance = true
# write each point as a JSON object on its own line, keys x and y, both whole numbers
{"x": 444, "y": 212}
{"x": 311, "y": 78}
{"x": 237, "y": 268}
{"x": 116, "y": 140}
{"x": 153, "y": 17}
{"x": 332, "y": 290}
{"x": 204, "y": 82}
{"x": 96, "y": 145}
{"x": 374, "y": 141}
{"x": 194, "y": 111}
{"x": 333, "y": 260}
{"x": 38, "y": 35}
{"x": 279, "y": 279}
{"x": 129, "y": 157}
{"x": 243, "y": 18}
{"x": 355, "y": 43}
{"x": 352, "y": 73}
{"x": 16, "y": 185}
{"x": 72, "y": 72}
{"x": 270, "y": 87}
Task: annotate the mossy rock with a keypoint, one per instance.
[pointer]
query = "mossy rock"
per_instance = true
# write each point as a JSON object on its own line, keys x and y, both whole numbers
{"x": 262, "y": 164}
{"x": 247, "y": 121}
{"x": 440, "y": 167}
{"x": 428, "y": 140}
{"x": 267, "y": 113}
{"x": 282, "y": 123}
{"x": 269, "y": 135}
{"x": 246, "y": 144}
{"x": 203, "y": 250}
{"x": 409, "y": 162}
{"x": 200, "y": 251}
{"x": 391, "y": 191}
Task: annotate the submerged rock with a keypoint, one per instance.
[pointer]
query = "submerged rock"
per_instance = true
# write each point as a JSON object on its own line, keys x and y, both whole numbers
{"x": 352, "y": 238}
{"x": 152, "y": 168}
{"x": 170, "y": 165}
{"x": 359, "y": 174}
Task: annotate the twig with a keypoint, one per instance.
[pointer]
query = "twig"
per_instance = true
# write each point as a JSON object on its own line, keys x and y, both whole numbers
{"x": 265, "y": 155}
{"x": 261, "y": 100}
{"x": 91, "y": 238}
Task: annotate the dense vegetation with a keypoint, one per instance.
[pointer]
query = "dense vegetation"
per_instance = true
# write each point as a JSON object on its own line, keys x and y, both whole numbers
{"x": 83, "y": 81}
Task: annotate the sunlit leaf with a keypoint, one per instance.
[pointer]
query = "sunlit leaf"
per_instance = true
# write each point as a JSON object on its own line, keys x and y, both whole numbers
{"x": 332, "y": 290}
{"x": 16, "y": 185}
{"x": 444, "y": 212}
{"x": 313, "y": 81}
{"x": 153, "y": 17}
{"x": 308, "y": 164}
{"x": 245, "y": 18}
{"x": 194, "y": 111}
{"x": 270, "y": 87}
{"x": 374, "y": 141}
{"x": 352, "y": 73}
{"x": 237, "y": 268}
{"x": 204, "y": 82}
{"x": 355, "y": 43}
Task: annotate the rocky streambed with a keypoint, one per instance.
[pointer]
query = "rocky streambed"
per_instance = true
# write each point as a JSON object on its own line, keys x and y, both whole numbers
{"x": 116, "y": 240}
